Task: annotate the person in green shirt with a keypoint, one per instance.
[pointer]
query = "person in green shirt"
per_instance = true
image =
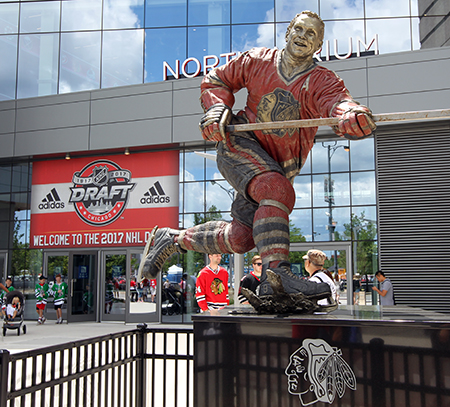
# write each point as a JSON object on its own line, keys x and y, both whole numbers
{"x": 60, "y": 290}
{"x": 5, "y": 289}
{"x": 41, "y": 293}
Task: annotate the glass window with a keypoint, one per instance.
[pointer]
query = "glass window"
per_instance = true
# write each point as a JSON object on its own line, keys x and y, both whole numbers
{"x": 81, "y": 15}
{"x": 212, "y": 172}
{"x": 209, "y": 12}
{"x": 387, "y": 8}
{"x": 336, "y": 38}
{"x": 286, "y": 10}
{"x": 80, "y": 61}
{"x": 306, "y": 169}
{"x": 5, "y": 179}
{"x": 362, "y": 154}
{"x": 415, "y": 33}
{"x": 194, "y": 169}
{"x": 4, "y": 235}
{"x": 363, "y": 188}
{"x": 8, "y": 64}
{"x": 330, "y": 155}
{"x": 394, "y": 34}
{"x": 38, "y": 65}
{"x": 362, "y": 217}
{"x": 162, "y": 13}
{"x": 340, "y": 190}
{"x": 220, "y": 194}
{"x": 204, "y": 41}
{"x": 302, "y": 187}
{"x": 9, "y": 18}
{"x": 5, "y": 204}
{"x": 168, "y": 45}
{"x": 20, "y": 175}
{"x": 334, "y": 227}
{"x": 122, "y": 58}
{"x": 334, "y": 10}
{"x": 194, "y": 197}
{"x": 301, "y": 224}
{"x": 280, "y": 39}
{"x": 38, "y": 17}
{"x": 245, "y": 37}
{"x": 123, "y": 14}
{"x": 252, "y": 11}
{"x": 21, "y": 233}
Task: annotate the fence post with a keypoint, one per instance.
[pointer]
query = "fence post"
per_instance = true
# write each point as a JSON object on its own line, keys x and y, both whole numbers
{"x": 141, "y": 382}
{"x": 4, "y": 362}
{"x": 378, "y": 372}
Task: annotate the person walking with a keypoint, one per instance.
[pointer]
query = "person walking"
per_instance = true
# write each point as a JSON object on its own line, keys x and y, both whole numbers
{"x": 251, "y": 280}
{"x": 386, "y": 290}
{"x": 41, "y": 292}
{"x": 60, "y": 290}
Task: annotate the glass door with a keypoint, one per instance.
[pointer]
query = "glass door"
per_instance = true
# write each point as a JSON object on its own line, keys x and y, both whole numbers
{"x": 3, "y": 263}
{"x": 56, "y": 263}
{"x": 82, "y": 301}
{"x": 113, "y": 290}
{"x": 143, "y": 300}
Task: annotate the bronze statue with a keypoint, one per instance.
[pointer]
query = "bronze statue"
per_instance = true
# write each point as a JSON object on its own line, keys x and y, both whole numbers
{"x": 261, "y": 166}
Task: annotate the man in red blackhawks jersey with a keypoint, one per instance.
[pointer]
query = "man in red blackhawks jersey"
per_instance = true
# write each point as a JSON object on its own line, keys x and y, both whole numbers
{"x": 211, "y": 288}
{"x": 261, "y": 166}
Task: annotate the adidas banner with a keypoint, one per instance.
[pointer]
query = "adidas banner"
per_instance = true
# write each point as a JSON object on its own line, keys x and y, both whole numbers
{"x": 102, "y": 202}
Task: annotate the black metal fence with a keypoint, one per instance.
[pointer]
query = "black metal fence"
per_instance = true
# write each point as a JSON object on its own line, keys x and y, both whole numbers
{"x": 137, "y": 368}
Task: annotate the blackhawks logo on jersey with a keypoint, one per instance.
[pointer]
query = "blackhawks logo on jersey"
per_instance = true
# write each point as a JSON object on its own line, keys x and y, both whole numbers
{"x": 217, "y": 286}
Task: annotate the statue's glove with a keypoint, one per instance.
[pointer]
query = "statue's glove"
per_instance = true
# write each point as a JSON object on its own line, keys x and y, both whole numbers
{"x": 214, "y": 122}
{"x": 355, "y": 121}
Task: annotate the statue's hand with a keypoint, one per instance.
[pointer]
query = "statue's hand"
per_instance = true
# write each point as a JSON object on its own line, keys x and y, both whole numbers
{"x": 214, "y": 122}
{"x": 355, "y": 121}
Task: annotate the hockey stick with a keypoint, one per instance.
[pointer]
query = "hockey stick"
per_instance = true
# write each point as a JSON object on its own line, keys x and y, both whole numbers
{"x": 333, "y": 121}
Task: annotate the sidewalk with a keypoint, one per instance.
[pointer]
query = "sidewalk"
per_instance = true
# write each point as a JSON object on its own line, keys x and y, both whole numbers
{"x": 48, "y": 334}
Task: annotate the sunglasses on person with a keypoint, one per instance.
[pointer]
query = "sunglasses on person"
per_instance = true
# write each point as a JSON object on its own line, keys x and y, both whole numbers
{"x": 258, "y": 264}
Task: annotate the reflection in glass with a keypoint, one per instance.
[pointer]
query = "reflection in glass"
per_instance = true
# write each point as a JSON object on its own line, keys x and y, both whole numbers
{"x": 143, "y": 295}
{"x": 123, "y": 14}
{"x": 5, "y": 205}
{"x": 115, "y": 284}
{"x": 393, "y": 34}
{"x": 363, "y": 188}
{"x": 194, "y": 197}
{"x": 332, "y": 10}
{"x": 306, "y": 169}
{"x": 160, "y": 13}
{"x": 84, "y": 298}
{"x": 122, "y": 62}
{"x": 20, "y": 177}
{"x": 168, "y": 45}
{"x": 342, "y": 31}
{"x": 8, "y": 65}
{"x": 38, "y": 65}
{"x": 387, "y": 8}
{"x": 340, "y": 190}
{"x": 252, "y": 11}
{"x": 362, "y": 216}
{"x": 328, "y": 228}
{"x": 206, "y": 12}
{"x": 362, "y": 153}
{"x": 220, "y": 195}
{"x": 21, "y": 235}
{"x": 212, "y": 172}
{"x": 302, "y": 186}
{"x": 301, "y": 224}
{"x": 245, "y": 37}
{"x": 194, "y": 167}
{"x": 5, "y": 179}
{"x": 81, "y": 15}
{"x": 39, "y": 17}
{"x": 80, "y": 61}
{"x": 330, "y": 153}
{"x": 285, "y": 10}
{"x": 203, "y": 41}
{"x": 415, "y": 34}
{"x": 280, "y": 37}
{"x": 9, "y": 18}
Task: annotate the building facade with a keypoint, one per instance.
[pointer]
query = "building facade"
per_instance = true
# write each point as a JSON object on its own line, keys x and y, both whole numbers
{"x": 113, "y": 85}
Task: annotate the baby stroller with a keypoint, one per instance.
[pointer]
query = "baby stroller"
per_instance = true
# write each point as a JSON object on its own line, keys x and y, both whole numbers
{"x": 17, "y": 322}
{"x": 171, "y": 301}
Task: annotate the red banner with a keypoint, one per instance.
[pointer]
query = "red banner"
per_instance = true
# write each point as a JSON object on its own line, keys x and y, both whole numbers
{"x": 103, "y": 202}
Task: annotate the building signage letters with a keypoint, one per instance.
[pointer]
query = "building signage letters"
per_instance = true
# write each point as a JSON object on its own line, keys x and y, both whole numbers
{"x": 193, "y": 67}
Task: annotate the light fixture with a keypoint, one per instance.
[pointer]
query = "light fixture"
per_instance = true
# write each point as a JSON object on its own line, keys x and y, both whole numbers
{"x": 127, "y": 151}
{"x": 347, "y": 148}
{"x": 67, "y": 156}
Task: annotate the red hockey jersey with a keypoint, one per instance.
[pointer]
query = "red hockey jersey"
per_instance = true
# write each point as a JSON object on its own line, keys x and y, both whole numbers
{"x": 211, "y": 290}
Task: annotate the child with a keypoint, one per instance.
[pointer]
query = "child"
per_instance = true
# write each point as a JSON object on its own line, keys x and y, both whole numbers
{"x": 59, "y": 294}
{"x": 41, "y": 293}
{"x": 12, "y": 309}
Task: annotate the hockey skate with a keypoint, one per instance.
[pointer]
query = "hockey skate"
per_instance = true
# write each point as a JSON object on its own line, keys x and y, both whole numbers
{"x": 159, "y": 248}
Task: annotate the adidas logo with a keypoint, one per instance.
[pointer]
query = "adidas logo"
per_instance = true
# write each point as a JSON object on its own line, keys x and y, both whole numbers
{"x": 51, "y": 201}
{"x": 155, "y": 194}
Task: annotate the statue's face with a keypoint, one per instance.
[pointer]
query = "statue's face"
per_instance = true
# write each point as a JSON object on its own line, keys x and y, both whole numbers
{"x": 304, "y": 38}
{"x": 297, "y": 372}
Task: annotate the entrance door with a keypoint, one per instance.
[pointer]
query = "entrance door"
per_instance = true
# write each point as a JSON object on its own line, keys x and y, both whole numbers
{"x": 143, "y": 303}
{"x": 56, "y": 263}
{"x": 82, "y": 301}
{"x": 332, "y": 250}
{"x": 113, "y": 291}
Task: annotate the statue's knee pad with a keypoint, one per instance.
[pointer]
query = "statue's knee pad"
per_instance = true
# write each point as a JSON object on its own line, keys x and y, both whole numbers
{"x": 272, "y": 187}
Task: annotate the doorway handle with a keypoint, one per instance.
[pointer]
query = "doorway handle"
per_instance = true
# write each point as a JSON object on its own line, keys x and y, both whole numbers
{"x": 71, "y": 286}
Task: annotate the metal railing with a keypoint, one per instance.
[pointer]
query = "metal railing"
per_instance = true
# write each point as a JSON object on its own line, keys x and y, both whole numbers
{"x": 137, "y": 368}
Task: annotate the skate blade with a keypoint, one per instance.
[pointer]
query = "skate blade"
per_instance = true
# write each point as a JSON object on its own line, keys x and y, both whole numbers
{"x": 145, "y": 253}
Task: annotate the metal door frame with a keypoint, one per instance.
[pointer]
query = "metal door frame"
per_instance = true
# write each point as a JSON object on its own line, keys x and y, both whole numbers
{"x": 327, "y": 246}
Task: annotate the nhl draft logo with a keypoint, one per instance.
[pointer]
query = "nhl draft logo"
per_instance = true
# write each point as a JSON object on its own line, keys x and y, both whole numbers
{"x": 317, "y": 372}
{"x": 100, "y": 192}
